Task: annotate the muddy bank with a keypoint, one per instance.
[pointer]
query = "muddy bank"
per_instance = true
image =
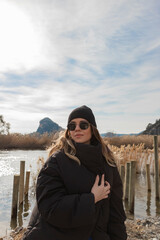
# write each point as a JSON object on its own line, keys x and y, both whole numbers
{"x": 146, "y": 229}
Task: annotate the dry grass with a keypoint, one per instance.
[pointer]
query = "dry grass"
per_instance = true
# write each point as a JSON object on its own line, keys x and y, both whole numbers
{"x": 138, "y": 153}
{"x": 18, "y": 235}
{"x": 40, "y": 163}
{"x": 125, "y": 148}
{"x": 147, "y": 140}
{"x": 34, "y": 141}
{"x": 26, "y": 141}
{"x": 138, "y": 148}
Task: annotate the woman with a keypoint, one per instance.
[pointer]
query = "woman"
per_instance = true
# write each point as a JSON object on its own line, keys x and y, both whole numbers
{"x": 79, "y": 190}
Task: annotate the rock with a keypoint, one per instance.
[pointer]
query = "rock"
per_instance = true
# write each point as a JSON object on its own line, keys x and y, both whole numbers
{"x": 153, "y": 129}
{"x": 147, "y": 229}
{"x": 48, "y": 126}
{"x": 144, "y": 229}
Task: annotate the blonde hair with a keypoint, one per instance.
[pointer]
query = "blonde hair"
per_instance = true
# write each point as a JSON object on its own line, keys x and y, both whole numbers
{"x": 65, "y": 142}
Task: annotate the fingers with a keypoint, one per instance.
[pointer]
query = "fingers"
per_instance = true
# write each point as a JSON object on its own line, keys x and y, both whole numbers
{"x": 107, "y": 185}
{"x": 100, "y": 191}
{"x": 104, "y": 183}
{"x": 107, "y": 191}
{"x": 97, "y": 180}
{"x": 107, "y": 188}
{"x": 102, "y": 180}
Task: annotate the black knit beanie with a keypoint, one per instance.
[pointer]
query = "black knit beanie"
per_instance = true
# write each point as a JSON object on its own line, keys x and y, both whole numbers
{"x": 83, "y": 112}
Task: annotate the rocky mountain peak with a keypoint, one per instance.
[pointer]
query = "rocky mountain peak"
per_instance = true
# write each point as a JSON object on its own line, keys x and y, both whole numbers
{"x": 47, "y": 125}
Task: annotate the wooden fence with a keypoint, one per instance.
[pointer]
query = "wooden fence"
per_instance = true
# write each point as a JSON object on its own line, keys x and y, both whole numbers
{"x": 20, "y": 191}
{"x": 128, "y": 176}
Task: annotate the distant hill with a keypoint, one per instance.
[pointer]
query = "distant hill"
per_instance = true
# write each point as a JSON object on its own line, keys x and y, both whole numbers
{"x": 153, "y": 129}
{"x": 110, "y": 134}
{"x": 47, "y": 125}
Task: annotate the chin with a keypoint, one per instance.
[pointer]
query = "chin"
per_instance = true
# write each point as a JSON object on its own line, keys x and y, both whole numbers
{"x": 79, "y": 141}
{"x": 82, "y": 141}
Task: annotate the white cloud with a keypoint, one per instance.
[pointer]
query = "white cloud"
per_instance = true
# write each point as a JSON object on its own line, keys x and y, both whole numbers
{"x": 104, "y": 54}
{"x": 44, "y": 34}
{"x": 56, "y": 99}
{"x": 19, "y": 45}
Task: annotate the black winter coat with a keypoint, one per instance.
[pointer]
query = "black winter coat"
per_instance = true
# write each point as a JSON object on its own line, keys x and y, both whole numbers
{"x": 65, "y": 208}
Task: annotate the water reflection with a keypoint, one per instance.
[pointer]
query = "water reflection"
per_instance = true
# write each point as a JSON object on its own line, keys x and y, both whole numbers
{"x": 26, "y": 206}
{"x": 157, "y": 203}
{"x": 23, "y": 212}
{"x": 126, "y": 206}
{"x": 145, "y": 202}
{"x": 148, "y": 209}
{"x": 13, "y": 223}
{"x": 20, "y": 219}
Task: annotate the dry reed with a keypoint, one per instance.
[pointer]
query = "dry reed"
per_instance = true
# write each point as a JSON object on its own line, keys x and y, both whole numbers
{"x": 138, "y": 153}
{"x": 147, "y": 140}
{"x": 26, "y": 141}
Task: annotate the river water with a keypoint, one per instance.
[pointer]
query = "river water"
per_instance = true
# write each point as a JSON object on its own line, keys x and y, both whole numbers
{"x": 145, "y": 204}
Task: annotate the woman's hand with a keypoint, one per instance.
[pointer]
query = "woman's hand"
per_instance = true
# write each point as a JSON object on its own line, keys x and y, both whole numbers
{"x": 100, "y": 191}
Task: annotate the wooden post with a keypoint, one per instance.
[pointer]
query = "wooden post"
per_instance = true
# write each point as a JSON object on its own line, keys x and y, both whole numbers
{"x": 132, "y": 186}
{"x": 148, "y": 177}
{"x": 156, "y": 167}
{"x": 20, "y": 212}
{"x": 148, "y": 210}
{"x": 21, "y": 181}
{"x": 122, "y": 173}
{"x": 27, "y": 183}
{"x": 126, "y": 183}
{"x": 26, "y": 206}
{"x": 15, "y": 196}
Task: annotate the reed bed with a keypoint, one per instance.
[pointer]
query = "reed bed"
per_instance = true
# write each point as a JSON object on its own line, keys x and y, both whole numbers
{"x": 138, "y": 153}
{"x": 37, "y": 141}
{"x": 147, "y": 140}
{"x": 138, "y": 148}
{"x": 125, "y": 148}
{"x": 26, "y": 141}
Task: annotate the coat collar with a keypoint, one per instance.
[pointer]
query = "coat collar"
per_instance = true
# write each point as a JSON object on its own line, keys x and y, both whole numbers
{"x": 91, "y": 157}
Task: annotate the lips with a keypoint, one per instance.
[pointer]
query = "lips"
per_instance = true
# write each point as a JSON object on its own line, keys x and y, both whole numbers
{"x": 78, "y": 135}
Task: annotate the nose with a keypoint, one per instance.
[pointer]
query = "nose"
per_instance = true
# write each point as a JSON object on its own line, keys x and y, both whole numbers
{"x": 77, "y": 127}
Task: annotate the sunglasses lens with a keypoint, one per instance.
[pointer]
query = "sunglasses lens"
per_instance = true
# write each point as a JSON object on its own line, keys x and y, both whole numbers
{"x": 71, "y": 126}
{"x": 84, "y": 125}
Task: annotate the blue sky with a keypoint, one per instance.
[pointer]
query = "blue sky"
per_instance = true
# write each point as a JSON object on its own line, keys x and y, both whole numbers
{"x": 57, "y": 55}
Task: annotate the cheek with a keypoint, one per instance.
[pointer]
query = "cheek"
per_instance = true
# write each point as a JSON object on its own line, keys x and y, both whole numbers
{"x": 70, "y": 134}
{"x": 89, "y": 134}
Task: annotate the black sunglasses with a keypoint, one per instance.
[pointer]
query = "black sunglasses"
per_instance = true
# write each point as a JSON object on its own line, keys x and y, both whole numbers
{"x": 83, "y": 125}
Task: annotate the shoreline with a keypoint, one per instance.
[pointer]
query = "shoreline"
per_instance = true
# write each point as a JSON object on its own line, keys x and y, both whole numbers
{"x": 144, "y": 229}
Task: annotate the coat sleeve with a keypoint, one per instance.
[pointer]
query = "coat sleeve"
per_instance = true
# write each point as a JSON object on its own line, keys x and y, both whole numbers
{"x": 58, "y": 207}
{"x": 117, "y": 217}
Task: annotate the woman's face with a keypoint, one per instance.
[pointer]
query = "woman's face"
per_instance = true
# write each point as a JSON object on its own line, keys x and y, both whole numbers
{"x": 80, "y": 135}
